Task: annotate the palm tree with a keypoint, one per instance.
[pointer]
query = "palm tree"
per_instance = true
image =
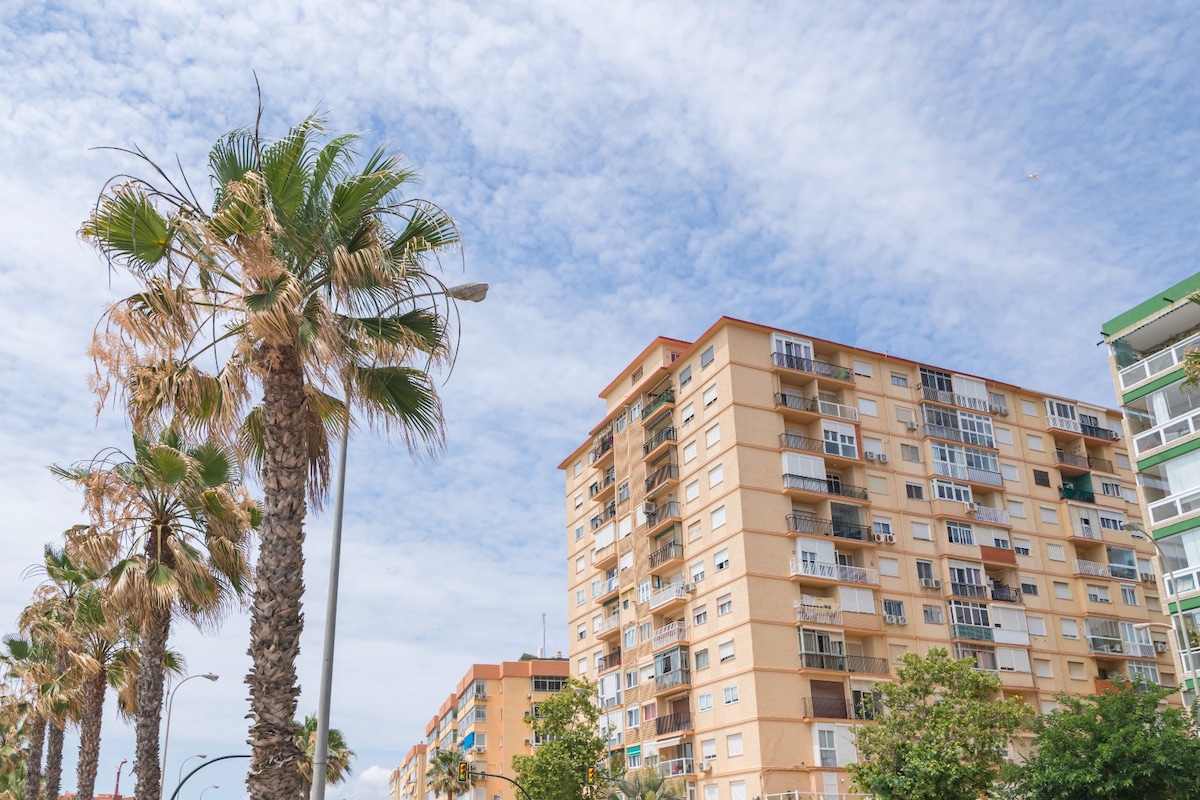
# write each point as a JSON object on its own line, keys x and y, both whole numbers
{"x": 645, "y": 784}
{"x": 308, "y": 280}
{"x": 337, "y": 768}
{"x": 171, "y": 523}
{"x": 30, "y": 665}
{"x": 442, "y": 774}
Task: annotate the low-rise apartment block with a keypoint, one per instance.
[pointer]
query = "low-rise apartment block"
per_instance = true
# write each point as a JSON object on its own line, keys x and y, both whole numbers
{"x": 763, "y": 522}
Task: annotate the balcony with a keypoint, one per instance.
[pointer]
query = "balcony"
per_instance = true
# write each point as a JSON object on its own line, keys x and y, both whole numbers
{"x": 1076, "y": 464}
{"x": 602, "y": 485}
{"x": 832, "y": 572}
{"x": 673, "y": 723}
{"x": 665, "y": 557}
{"x": 657, "y": 441}
{"x": 674, "y": 633}
{"x": 975, "y": 591}
{"x": 604, "y": 557}
{"x": 953, "y": 399}
{"x": 1167, "y": 433}
{"x": 797, "y": 406}
{"x": 1060, "y": 425}
{"x": 797, "y": 441}
{"x": 995, "y": 516}
{"x": 1177, "y": 505}
{"x": 603, "y": 591}
{"x": 676, "y": 767}
{"x": 608, "y": 626}
{"x": 813, "y": 367}
{"x": 1140, "y": 649}
{"x": 675, "y": 679}
{"x": 818, "y": 613}
{"x": 977, "y": 633}
{"x": 1105, "y": 645}
{"x": 825, "y": 707}
{"x": 1096, "y": 432}
{"x": 1157, "y": 363}
{"x": 805, "y": 523}
{"x": 667, "y": 398}
{"x": 657, "y": 519}
{"x": 859, "y": 621}
{"x": 1080, "y": 495}
{"x": 665, "y": 475}
{"x": 837, "y": 662}
{"x": 609, "y": 661}
{"x": 609, "y": 512}
{"x": 997, "y": 555}
{"x": 1006, "y": 594}
{"x": 1093, "y": 568}
{"x": 824, "y": 486}
{"x": 601, "y": 450}
{"x": 962, "y": 472}
{"x": 670, "y": 595}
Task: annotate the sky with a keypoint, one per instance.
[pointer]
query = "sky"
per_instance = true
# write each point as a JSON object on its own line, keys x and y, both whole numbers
{"x": 856, "y": 171}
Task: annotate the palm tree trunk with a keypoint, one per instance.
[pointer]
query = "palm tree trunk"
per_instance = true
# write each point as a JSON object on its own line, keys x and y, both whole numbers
{"x": 33, "y": 761}
{"x": 54, "y": 753}
{"x": 276, "y": 620}
{"x": 94, "y": 690}
{"x": 149, "y": 704}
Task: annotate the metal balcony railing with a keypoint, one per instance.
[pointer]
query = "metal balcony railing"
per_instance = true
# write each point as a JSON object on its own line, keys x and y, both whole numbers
{"x": 979, "y": 633}
{"x": 609, "y": 661}
{"x": 667, "y": 510}
{"x": 673, "y": 723}
{"x": 1071, "y": 493}
{"x": 1006, "y": 594}
{"x": 672, "y": 679}
{"x": 669, "y": 634}
{"x": 830, "y": 661}
{"x": 666, "y": 397}
{"x": 824, "y": 486}
{"x": 660, "y": 476}
{"x": 667, "y": 434}
{"x": 805, "y": 523}
{"x": 867, "y": 665}
{"x": 1096, "y": 432}
{"x": 813, "y": 366}
{"x": 818, "y": 613}
{"x": 664, "y": 554}
{"x": 973, "y": 590}
{"x": 996, "y": 516}
{"x": 796, "y": 441}
{"x": 601, "y": 449}
{"x": 796, "y": 402}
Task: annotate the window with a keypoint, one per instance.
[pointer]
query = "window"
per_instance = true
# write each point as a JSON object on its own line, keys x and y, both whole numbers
{"x": 721, "y": 559}
{"x": 876, "y": 484}
{"x": 708, "y": 749}
{"x": 626, "y": 561}
{"x": 685, "y": 376}
{"x": 578, "y": 532}
{"x": 631, "y": 679}
{"x": 1041, "y": 667}
{"x": 1004, "y": 436}
{"x": 1022, "y": 547}
{"x": 712, "y": 435}
{"x": 644, "y": 591}
{"x": 893, "y": 607}
{"x": 623, "y": 492}
{"x": 1129, "y": 594}
{"x": 581, "y": 631}
{"x": 1029, "y": 587}
{"x": 733, "y": 744}
{"x": 724, "y": 604}
{"x": 688, "y": 413}
{"x": 1069, "y": 628}
{"x": 827, "y": 747}
{"x": 889, "y": 567}
{"x": 921, "y": 530}
{"x": 1110, "y": 489}
{"x": 910, "y": 452}
{"x": 863, "y": 368}
{"x": 645, "y": 631}
{"x": 716, "y": 475}
{"x": 924, "y": 569}
{"x": 710, "y": 395}
{"x": 899, "y": 379}
{"x": 948, "y": 490}
{"x": 635, "y": 410}
{"x": 629, "y": 637}
{"x": 579, "y": 500}
{"x": 702, "y": 659}
{"x": 868, "y": 408}
{"x": 1062, "y": 590}
{"x": 1048, "y": 514}
{"x": 1034, "y": 442}
{"x": 1036, "y": 625}
{"x": 692, "y": 491}
{"x": 689, "y": 452}
{"x": 730, "y": 694}
{"x": 706, "y": 357}
{"x": 872, "y": 445}
{"x": 725, "y": 651}
{"x": 694, "y": 531}
{"x": 582, "y": 666}
{"x": 914, "y": 491}
{"x": 1055, "y": 552}
{"x": 619, "y": 423}
{"x": 881, "y": 526}
{"x": 1010, "y": 473}
{"x": 1122, "y": 460}
{"x": 700, "y": 614}
{"x": 1149, "y": 672}
{"x": 933, "y": 614}
{"x": 697, "y": 572}
{"x": 1028, "y": 408}
{"x": 960, "y": 533}
{"x": 704, "y": 702}
{"x": 1016, "y": 509}
{"x": 580, "y": 564}
{"x": 1075, "y": 670}
{"x": 718, "y": 517}
{"x": 580, "y": 596}
{"x": 1041, "y": 477}
{"x": 1098, "y": 594}
{"x": 578, "y": 468}
{"x": 633, "y": 717}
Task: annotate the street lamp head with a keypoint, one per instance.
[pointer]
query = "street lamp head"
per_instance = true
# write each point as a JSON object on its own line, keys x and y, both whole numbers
{"x": 470, "y": 292}
{"x": 210, "y": 676}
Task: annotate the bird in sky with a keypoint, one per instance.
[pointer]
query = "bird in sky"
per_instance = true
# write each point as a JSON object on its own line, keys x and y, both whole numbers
{"x": 1033, "y": 176}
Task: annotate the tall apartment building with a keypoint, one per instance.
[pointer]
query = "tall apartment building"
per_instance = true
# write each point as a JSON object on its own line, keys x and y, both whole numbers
{"x": 484, "y": 718}
{"x": 763, "y": 522}
{"x": 1147, "y": 346}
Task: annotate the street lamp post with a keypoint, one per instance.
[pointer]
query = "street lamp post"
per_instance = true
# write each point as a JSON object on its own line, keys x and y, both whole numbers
{"x": 206, "y": 788}
{"x": 167, "y": 734}
{"x": 179, "y": 779}
{"x": 468, "y": 292}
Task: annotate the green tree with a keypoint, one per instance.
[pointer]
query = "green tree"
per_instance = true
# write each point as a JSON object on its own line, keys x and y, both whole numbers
{"x": 645, "y": 784}
{"x": 171, "y": 526}
{"x": 567, "y": 726}
{"x": 337, "y": 768}
{"x": 307, "y": 281}
{"x": 442, "y": 774}
{"x": 1122, "y": 744}
{"x": 942, "y": 733}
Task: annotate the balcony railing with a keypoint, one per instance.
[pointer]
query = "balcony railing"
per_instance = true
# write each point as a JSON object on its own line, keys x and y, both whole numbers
{"x": 601, "y": 449}
{"x": 1104, "y": 644}
{"x": 604, "y": 516}
{"x": 1165, "y": 359}
{"x": 1170, "y": 431}
{"x": 804, "y": 523}
{"x": 1063, "y": 424}
{"x": 814, "y": 569}
{"x": 676, "y": 767}
{"x": 1006, "y": 594}
{"x": 824, "y": 486}
{"x": 1139, "y": 649}
{"x": 666, "y": 511}
{"x": 813, "y": 366}
{"x": 673, "y": 723}
{"x": 831, "y": 409}
{"x": 606, "y": 586}
{"x": 1084, "y": 461}
{"x": 664, "y": 554}
{"x": 953, "y": 399}
{"x": 850, "y": 530}
{"x": 1071, "y": 493}
{"x": 964, "y": 473}
{"x": 825, "y": 707}
{"x": 943, "y": 432}
{"x": 599, "y": 486}
{"x": 978, "y": 633}
{"x": 609, "y": 661}
{"x": 820, "y": 614}
{"x": 857, "y": 574}
{"x": 667, "y": 434}
{"x": 997, "y": 516}
{"x": 796, "y": 441}
{"x": 796, "y": 402}
{"x": 607, "y": 624}
{"x": 667, "y": 396}
{"x": 669, "y": 634}
{"x": 1096, "y": 432}
{"x": 867, "y": 665}
{"x": 1177, "y": 505}
{"x": 830, "y": 661}
{"x": 973, "y": 590}
{"x": 667, "y": 472}
{"x": 672, "y": 591}
{"x": 672, "y": 679}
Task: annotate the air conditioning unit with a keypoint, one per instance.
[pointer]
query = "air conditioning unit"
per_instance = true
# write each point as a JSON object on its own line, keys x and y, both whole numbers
{"x": 871, "y": 456}
{"x": 889, "y": 538}
{"x": 930, "y": 583}
{"x": 690, "y": 588}
{"x": 1148, "y": 577}
{"x": 971, "y": 508}
{"x": 1161, "y": 647}
{"x": 704, "y": 766}
{"x": 478, "y": 749}
{"x": 879, "y": 537}
{"x": 649, "y": 507}
{"x": 883, "y": 458}
{"x": 890, "y": 619}
{"x": 901, "y": 620}
{"x": 1001, "y": 410}
{"x": 528, "y": 714}
{"x": 912, "y": 425}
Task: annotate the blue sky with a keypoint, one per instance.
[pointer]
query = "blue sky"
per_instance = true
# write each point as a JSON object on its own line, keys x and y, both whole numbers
{"x": 855, "y": 171}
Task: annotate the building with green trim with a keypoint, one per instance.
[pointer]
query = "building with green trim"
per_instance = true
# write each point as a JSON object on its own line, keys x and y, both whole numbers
{"x": 1149, "y": 346}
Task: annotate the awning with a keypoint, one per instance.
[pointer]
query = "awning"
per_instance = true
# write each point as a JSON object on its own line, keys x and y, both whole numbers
{"x": 636, "y": 750}
{"x": 669, "y": 741}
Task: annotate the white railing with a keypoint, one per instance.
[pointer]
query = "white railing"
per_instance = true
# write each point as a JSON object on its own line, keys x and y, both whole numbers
{"x": 814, "y": 569}
{"x": 820, "y": 613}
{"x": 989, "y": 514}
{"x": 675, "y": 767}
{"x": 1064, "y": 424}
{"x": 857, "y": 574}
{"x": 815, "y": 796}
{"x": 1169, "y": 431}
{"x": 954, "y": 399}
{"x": 837, "y": 410}
{"x": 1092, "y": 568}
{"x": 670, "y": 634}
{"x": 607, "y": 624}
{"x": 1139, "y": 649}
{"x": 1084, "y": 533}
{"x": 948, "y": 469}
{"x": 672, "y": 591}
{"x": 604, "y": 587}
{"x": 1175, "y": 506}
{"x": 1158, "y": 362}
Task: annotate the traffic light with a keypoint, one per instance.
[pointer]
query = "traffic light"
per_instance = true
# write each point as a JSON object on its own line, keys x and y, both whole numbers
{"x": 591, "y": 776}
{"x": 464, "y": 771}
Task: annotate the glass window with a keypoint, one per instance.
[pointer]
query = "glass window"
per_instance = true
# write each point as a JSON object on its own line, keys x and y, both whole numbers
{"x": 718, "y": 517}
{"x": 724, "y": 604}
{"x": 725, "y": 651}
{"x": 712, "y": 435}
{"x": 867, "y": 407}
{"x": 933, "y": 614}
{"x": 706, "y": 357}
{"x": 685, "y": 376}
{"x": 688, "y": 413}
{"x": 721, "y": 559}
{"x": 914, "y": 491}
{"x": 730, "y": 694}
{"x": 691, "y": 491}
{"x": 710, "y": 395}
{"x": 733, "y": 743}
{"x": 697, "y": 572}
{"x": 716, "y": 475}
{"x": 702, "y": 659}
{"x": 899, "y": 379}
{"x": 960, "y": 533}
{"x": 827, "y": 745}
{"x": 689, "y": 452}
{"x": 700, "y": 615}
{"x": 910, "y": 452}
{"x": 704, "y": 702}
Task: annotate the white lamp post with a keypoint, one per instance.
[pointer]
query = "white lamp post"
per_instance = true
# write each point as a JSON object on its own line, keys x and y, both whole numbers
{"x": 167, "y": 734}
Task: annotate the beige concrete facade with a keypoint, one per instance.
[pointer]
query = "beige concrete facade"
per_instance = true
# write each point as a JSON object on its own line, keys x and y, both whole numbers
{"x": 485, "y": 717}
{"x": 763, "y": 522}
